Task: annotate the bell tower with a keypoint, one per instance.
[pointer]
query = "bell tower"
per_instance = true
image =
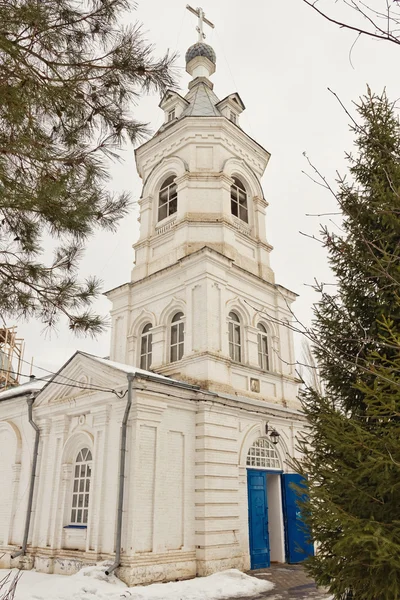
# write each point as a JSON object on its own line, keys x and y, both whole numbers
{"x": 202, "y": 304}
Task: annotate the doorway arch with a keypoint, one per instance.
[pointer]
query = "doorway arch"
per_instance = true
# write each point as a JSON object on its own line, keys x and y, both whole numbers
{"x": 265, "y": 513}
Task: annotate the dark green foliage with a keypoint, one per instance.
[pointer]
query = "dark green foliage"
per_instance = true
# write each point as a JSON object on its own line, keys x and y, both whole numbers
{"x": 352, "y": 452}
{"x": 69, "y": 77}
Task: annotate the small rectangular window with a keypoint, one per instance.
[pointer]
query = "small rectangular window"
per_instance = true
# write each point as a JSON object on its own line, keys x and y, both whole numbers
{"x": 233, "y": 117}
{"x": 171, "y": 115}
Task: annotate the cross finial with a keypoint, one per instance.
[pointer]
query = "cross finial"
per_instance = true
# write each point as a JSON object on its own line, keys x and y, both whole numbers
{"x": 199, "y": 12}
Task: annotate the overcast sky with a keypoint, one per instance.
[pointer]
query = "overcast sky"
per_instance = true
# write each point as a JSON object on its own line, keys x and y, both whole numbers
{"x": 281, "y": 58}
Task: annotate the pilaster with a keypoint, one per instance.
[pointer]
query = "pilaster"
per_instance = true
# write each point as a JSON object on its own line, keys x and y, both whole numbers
{"x": 216, "y": 496}
{"x": 146, "y": 471}
{"x": 158, "y": 348}
{"x": 66, "y": 476}
{"x": 101, "y": 417}
{"x": 132, "y": 350}
{"x": 259, "y": 206}
{"x": 41, "y": 499}
{"x": 59, "y": 477}
{"x": 16, "y": 474}
{"x": 251, "y": 334}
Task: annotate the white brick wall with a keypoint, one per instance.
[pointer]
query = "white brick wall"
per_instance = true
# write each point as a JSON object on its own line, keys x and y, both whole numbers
{"x": 185, "y": 507}
{"x": 8, "y": 445}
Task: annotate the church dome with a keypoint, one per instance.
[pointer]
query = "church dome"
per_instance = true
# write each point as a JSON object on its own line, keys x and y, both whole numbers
{"x": 201, "y": 49}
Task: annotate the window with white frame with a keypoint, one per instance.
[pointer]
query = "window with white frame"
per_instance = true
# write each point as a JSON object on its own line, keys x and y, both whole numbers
{"x": 233, "y": 117}
{"x": 146, "y": 341}
{"x": 81, "y": 487}
{"x": 177, "y": 337}
{"x": 235, "y": 341}
{"x": 239, "y": 200}
{"x": 263, "y": 455}
{"x": 171, "y": 115}
{"x": 167, "y": 198}
{"x": 263, "y": 353}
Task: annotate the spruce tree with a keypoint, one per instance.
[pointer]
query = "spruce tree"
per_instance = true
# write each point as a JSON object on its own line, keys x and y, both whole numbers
{"x": 70, "y": 74}
{"x": 352, "y": 449}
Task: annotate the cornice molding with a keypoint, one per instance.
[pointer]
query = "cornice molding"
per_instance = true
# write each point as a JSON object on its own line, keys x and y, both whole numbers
{"x": 219, "y": 129}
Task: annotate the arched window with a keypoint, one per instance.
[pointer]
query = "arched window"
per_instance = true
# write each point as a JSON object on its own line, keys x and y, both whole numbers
{"x": 146, "y": 347}
{"x": 235, "y": 342}
{"x": 177, "y": 337}
{"x": 263, "y": 356}
{"x": 264, "y": 455}
{"x": 81, "y": 487}
{"x": 239, "y": 200}
{"x": 167, "y": 198}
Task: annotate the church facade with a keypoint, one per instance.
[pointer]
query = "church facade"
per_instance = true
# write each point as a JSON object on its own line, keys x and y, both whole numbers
{"x": 171, "y": 458}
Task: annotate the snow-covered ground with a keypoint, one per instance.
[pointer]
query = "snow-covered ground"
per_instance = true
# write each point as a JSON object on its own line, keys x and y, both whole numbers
{"x": 92, "y": 584}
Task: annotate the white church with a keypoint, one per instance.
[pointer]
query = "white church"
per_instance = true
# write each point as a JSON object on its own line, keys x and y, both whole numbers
{"x": 169, "y": 459}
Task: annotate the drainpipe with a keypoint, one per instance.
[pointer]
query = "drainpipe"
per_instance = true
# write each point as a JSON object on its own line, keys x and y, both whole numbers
{"x": 22, "y": 552}
{"x": 122, "y": 455}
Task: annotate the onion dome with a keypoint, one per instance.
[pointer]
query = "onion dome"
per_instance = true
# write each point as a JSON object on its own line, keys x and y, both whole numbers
{"x": 201, "y": 49}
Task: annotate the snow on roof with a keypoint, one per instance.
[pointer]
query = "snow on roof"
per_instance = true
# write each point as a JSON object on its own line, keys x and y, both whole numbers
{"x": 135, "y": 371}
{"x": 29, "y": 387}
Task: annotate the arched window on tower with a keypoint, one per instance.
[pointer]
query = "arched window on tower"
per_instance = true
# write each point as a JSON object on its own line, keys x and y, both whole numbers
{"x": 177, "y": 337}
{"x": 239, "y": 200}
{"x": 146, "y": 347}
{"x": 235, "y": 341}
{"x": 81, "y": 487}
{"x": 263, "y": 350}
{"x": 167, "y": 198}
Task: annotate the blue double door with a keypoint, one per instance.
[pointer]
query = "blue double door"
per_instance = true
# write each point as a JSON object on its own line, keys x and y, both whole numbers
{"x": 297, "y": 543}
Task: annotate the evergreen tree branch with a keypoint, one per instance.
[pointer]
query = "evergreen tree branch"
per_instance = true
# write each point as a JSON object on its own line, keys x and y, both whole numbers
{"x": 70, "y": 75}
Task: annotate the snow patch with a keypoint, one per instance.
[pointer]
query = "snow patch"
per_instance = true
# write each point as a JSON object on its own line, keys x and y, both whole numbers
{"x": 227, "y": 584}
{"x": 91, "y": 583}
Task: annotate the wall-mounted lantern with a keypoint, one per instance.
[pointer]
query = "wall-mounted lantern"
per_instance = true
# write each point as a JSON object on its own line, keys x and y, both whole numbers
{"x": 273, "y": 434}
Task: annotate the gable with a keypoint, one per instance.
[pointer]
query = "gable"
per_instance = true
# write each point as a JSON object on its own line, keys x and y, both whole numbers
{"x": 171, "y": 96}
{"x": 80, "y": 376}
{"x": 232, "y": 100}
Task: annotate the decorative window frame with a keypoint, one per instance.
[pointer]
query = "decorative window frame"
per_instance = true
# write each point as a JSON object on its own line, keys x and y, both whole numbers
{"x": 72, "y": 447}
{"x": 170, "y": 188}
{"x": 134, "y": 337}
{"x": 237, "y": 306}
{"x": 232, "y": 324}
{"x": 149, "y": 335}
{"x": 174, "y": 165}
{"x": 78, "y": 477}
{"x": 169, "y": 337}
{"x": 269, "y": 345}
{"x": 273, "y": 340}
{"x": 174, "y": 306}
{"x": 237, "y": 167}
{"x": 237, "y": 189}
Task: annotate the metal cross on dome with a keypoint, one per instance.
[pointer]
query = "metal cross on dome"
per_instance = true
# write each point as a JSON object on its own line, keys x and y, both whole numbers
{"x": 199, "y": 12}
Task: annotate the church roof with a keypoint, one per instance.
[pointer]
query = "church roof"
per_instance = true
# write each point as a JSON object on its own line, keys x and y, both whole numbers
{"x": 30, "y": 387}
{"x": 135, "y": 371}
{"x": 202, "y": 101}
